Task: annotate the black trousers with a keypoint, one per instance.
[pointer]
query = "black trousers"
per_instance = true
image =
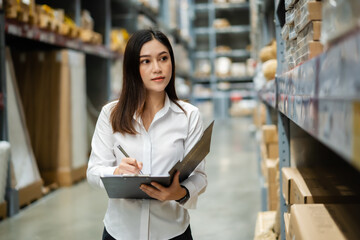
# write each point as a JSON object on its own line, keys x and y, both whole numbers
{"x": 185, "y": 236}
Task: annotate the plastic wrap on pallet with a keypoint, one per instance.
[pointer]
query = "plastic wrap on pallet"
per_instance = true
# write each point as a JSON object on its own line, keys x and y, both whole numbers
{"x": 288, "y": 48}
{"x": 307, "y": 51}
{"x": 285, "y": 32}
{"x": 290, "y": 62}
{"x": 292, "y": 32}
{"x": 22, "y": 156}
{"x": 306, "y": 11}
{"x": 290, "y": 16}
{"x": 311, "y": 32}
{"x": 289, "y": 4}
{"x": 4, "y": 160}
{"x": 339, "y": 17}
{"x": 79, "y": 146}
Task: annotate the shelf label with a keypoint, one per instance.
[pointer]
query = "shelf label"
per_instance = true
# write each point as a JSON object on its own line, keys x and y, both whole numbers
{"x": 72, "y": 44}
{"x": 356, "y": 132}
{"x": 30, "y": 34}
{"x": 14, "y": 30}
{"x": 47, "y": 37}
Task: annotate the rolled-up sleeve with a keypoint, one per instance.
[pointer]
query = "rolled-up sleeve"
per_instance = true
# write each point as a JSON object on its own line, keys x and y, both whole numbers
{"x": 102, "y": 159}
{"x": 197, "y": 181}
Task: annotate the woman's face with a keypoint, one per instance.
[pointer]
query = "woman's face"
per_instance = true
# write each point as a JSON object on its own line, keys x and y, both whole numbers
{"x": 155, "y": 66}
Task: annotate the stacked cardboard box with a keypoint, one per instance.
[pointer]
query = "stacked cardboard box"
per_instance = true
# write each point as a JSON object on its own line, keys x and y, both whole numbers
{"x": 259, "y": 115}
{"x": 270, "y": 164}
{"x": 21, "y": 10}
{"x": 264, "y": 226}
{"x": 315, "y": 192}
{"x": 324, "y": 221}
{"x": 319, "y": 185}
{"x": 25, "y": 175}
{"x": 301, "y": 31}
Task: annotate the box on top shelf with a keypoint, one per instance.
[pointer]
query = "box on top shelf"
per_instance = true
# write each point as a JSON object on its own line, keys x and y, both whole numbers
{"x": 308, "y": 51}
{"x": 319, "y": 185}
{"x": 324, "y": 221}
{"x": 311, "y": 32}
{"x": 21, "y": 10}
{"x": 87, "y": 22}
{"x": 306, "y": 11}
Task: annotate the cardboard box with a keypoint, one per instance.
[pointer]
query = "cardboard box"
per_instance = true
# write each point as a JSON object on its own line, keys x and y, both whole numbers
{"x": 273, "y": 150}
{"x": 270, "y": 134}
{"x": 306, "y": 12}
{"x": 288, "y": 176}
{"x": 312, "y": 32}
{"x": 315, "y": 48}
{"x": 264, "y": 152}
{"x": 319, "y": 185}
{"x": 287, "y": 225}
{"x": 272, "y": 167}
{"x": 329, "y": 221}
{"x": 264, "y": 224}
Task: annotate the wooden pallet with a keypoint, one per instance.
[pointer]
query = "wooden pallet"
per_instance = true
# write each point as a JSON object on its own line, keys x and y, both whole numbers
{"x": 49, "y": 188}
{"x": 30, "y": 193}
{"x": 65, "y": 177}
{"x": 3, "y": 210}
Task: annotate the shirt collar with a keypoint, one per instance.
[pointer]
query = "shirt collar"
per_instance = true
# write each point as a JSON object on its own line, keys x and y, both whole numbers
{"x": 168, "y": 104}
{"x": 173, "y": 106}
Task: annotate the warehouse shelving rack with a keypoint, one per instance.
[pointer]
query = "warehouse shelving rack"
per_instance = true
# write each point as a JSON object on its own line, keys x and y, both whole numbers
{"x": 235, "y": 36}
{"x": 106, "y": 14}
{"x": 317, "y": 105}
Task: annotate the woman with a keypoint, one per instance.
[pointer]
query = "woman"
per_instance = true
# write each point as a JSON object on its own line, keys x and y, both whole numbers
{"x": 156, "y": 130}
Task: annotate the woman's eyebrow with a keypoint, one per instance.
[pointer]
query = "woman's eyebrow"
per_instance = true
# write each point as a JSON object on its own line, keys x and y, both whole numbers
{"x": 163, "y": 52}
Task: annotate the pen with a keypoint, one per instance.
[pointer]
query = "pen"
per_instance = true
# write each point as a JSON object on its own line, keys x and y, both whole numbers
{"x": 126, "y": 155}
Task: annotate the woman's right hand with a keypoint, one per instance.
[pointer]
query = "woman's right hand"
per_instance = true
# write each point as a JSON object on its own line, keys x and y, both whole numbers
{"x": 128, "y": 166}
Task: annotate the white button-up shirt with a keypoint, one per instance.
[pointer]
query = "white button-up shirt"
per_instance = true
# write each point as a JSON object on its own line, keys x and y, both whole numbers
{"x": 169, "y": 138}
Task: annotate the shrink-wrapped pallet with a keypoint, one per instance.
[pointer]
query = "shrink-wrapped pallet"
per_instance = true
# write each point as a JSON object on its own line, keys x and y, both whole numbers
{"x": 53, "y": 91}
{"x": 4, "y": 160}
{"x": 22, "y": 156}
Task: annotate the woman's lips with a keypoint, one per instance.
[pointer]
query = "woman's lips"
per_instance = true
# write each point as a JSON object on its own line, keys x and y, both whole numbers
{"x": 158, "y": 79}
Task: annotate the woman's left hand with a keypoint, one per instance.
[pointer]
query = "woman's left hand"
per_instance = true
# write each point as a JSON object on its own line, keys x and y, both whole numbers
{"x": 174, "y": 192}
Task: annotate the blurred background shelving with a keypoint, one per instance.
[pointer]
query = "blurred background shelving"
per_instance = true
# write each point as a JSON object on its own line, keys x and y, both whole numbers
{"x": 82, "y": 43}
{"x": 221, "y": 62}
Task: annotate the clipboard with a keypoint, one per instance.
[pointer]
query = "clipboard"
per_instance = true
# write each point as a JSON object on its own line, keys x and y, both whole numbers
{"x": 128, "y": 186}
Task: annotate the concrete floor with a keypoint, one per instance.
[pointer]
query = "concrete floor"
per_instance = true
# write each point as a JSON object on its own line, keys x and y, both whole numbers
{"x": 227, "y": 210}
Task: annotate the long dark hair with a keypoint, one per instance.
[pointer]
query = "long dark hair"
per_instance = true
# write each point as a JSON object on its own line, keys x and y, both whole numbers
{"x": 133, "y": 94}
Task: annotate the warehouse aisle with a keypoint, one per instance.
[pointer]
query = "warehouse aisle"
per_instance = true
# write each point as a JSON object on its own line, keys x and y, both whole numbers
{"x": 227, "y": 210}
